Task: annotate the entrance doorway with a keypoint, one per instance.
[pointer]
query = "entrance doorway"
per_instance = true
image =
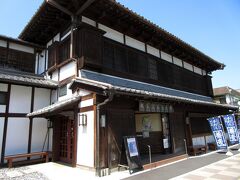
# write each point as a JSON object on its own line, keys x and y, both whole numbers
{"x": 66, "y": 140}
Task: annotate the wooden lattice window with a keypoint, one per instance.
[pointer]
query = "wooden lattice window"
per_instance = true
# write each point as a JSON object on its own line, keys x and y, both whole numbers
{"x": 53, "y": 51}
{"x": 152, "y": 69}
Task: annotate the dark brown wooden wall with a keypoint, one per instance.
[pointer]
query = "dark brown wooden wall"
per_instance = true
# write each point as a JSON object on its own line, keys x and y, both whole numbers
{"x": 17, "y": 59}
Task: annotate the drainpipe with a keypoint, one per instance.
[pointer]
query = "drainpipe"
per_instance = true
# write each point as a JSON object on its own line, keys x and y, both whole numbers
{"x": 97, "y": 161}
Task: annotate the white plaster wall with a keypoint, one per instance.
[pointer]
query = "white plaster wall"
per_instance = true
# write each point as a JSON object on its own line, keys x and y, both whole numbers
{"x": 198, "y": 141}
{"x": 17, "y": 136}
{"x": 41, "y": 67}
{"x": 85, "y": 145}
{"x": 3, "y": 43}
{"x": 210, "y": 139}
{"x": 2, "y": 110}
{"x": 41, "y": 98}
{"x": 197, "y": 70}
{"x": 1, "y": 132}
{"x": 55, "y": 75}
{"x": 166, "y": 56}
{"x": 54, "y": 96}
{"x": 114, "y": 35}
{"x": 39, "y": 132}
{"x": 21, "y": 48}
{"x": 57, "y": 37}
{"x": 86, "y": 103}
{"x": 135, "y": 43}
{"x": 49, "y": 43}
{"x": 204, "y": 72}
{"x": 3, "y": 87}
{"x": 88, "y": 21}
{"x": 153, "y": 51}
{"x": 187, "y": 66}
{"x": 177, "y": 61}
{"x": 69, "y": 94}
{"x": 36, "y": 64}
{"x": 20, "y": 99}
{"x": 67, "y": 70}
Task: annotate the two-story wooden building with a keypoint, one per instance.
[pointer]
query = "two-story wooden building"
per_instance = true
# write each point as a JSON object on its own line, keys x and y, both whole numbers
{"x": 118, "y": 74}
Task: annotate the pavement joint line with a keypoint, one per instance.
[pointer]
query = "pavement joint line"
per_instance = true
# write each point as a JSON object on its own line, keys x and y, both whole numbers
{"x": 182, "y": 175}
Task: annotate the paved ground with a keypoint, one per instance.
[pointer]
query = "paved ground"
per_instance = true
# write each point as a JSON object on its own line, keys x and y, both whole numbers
{"x": 182, "y": 167}
{"x": 21, "y": 173}
{"x": 213, "y": 166}
{"x": 226, "y": 169}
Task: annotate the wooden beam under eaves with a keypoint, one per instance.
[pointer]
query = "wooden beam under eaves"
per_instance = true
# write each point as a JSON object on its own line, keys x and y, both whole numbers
{"x": 84, "y": 6}
{"x": 58, "y": 6}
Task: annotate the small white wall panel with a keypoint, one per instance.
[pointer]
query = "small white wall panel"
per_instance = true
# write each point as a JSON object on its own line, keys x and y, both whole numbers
{"x": 2, "y": 110}
{"x": 204, "y": 72}
{"x": 177, "y": 61}
{"x": 166, "y": 57}
{"x": 187, "y": 66}
{"x": 3, "y": 87}
{"x": 17, "y": 136}
{"x": 67, "y": 70}
{"x": 49, "y": 43}
{"x": 112, "y": 34}
{"x": 41, "y": 67}
{"x": 3, "y": 43}
{"x": 55, "y": 75}
{"x": 54, "y": 96}
{"x": 86, "y": 103}
{"x": 85, "y": 144}
{"x": 198, "y": 141}
{"x": 69, "y": 94}
{"x": 197, "y": 70}
{"x": 39, "y": 132}
{"x": 135, "y": 43}
{"x": 153, "y": 51}
{"x": 41, "y": 98}
{"x": 19, "y": 47}
{"x": 88, "y": 21}
{"x": 20, "y": 99}
{"x": 57, "y": 37}
{"x": 1, "y": 132}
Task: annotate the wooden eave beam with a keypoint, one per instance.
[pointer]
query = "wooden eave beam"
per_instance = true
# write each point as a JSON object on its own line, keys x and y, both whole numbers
{"x": 58, "y": 6}
{"x": 84, "y": 7}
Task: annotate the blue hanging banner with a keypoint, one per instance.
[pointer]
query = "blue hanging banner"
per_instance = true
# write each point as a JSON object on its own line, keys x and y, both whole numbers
{"x": 231, "y": 126}
{"x": 218, "y": 132}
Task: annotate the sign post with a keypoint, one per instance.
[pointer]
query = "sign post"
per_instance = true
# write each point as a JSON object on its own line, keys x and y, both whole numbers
{"x": 218, "y": 133}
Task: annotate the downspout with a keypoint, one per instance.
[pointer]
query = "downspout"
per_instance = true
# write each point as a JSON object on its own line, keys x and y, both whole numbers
{"x": 97, "y": 161}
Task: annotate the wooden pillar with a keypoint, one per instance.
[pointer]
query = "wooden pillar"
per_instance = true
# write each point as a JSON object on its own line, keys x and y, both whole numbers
{"x": 5, "y": 125}
{"x": 75, "y": 133}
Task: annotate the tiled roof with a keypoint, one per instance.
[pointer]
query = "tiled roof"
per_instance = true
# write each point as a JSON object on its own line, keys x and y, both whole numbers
{"x": 58, "y": 105}
{"x": 225, "y": 90}
{"x": 121, "y": 82}
{"x": 26, "y": 79}
{"x": 145, "y": 90}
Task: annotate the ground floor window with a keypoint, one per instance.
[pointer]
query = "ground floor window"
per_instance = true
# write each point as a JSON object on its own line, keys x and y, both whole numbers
{"x": 153, "y": 129}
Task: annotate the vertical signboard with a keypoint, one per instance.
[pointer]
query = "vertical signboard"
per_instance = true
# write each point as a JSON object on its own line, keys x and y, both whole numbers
{"x": 218, "y": 132}
{"x": 231, "y": 126}
{"x": 132, "y": 154}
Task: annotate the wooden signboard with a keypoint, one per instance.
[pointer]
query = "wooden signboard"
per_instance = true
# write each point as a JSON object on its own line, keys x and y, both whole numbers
{"x": 132, "y": 154}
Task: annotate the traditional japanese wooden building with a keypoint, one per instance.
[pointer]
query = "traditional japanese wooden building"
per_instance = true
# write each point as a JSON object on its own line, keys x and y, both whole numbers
{"x": 117, "y": 75}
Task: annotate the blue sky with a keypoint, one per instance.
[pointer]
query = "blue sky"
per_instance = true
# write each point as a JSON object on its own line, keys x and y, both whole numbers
{"x": 213, "y": 26}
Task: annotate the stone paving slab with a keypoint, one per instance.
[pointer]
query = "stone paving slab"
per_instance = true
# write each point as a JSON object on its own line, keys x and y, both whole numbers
{"x": 21, "y": 173}
{"x": 227, "y": 169}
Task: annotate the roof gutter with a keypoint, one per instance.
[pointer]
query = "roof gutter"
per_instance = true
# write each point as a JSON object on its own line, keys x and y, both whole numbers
{"x": 111, "y": 93}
